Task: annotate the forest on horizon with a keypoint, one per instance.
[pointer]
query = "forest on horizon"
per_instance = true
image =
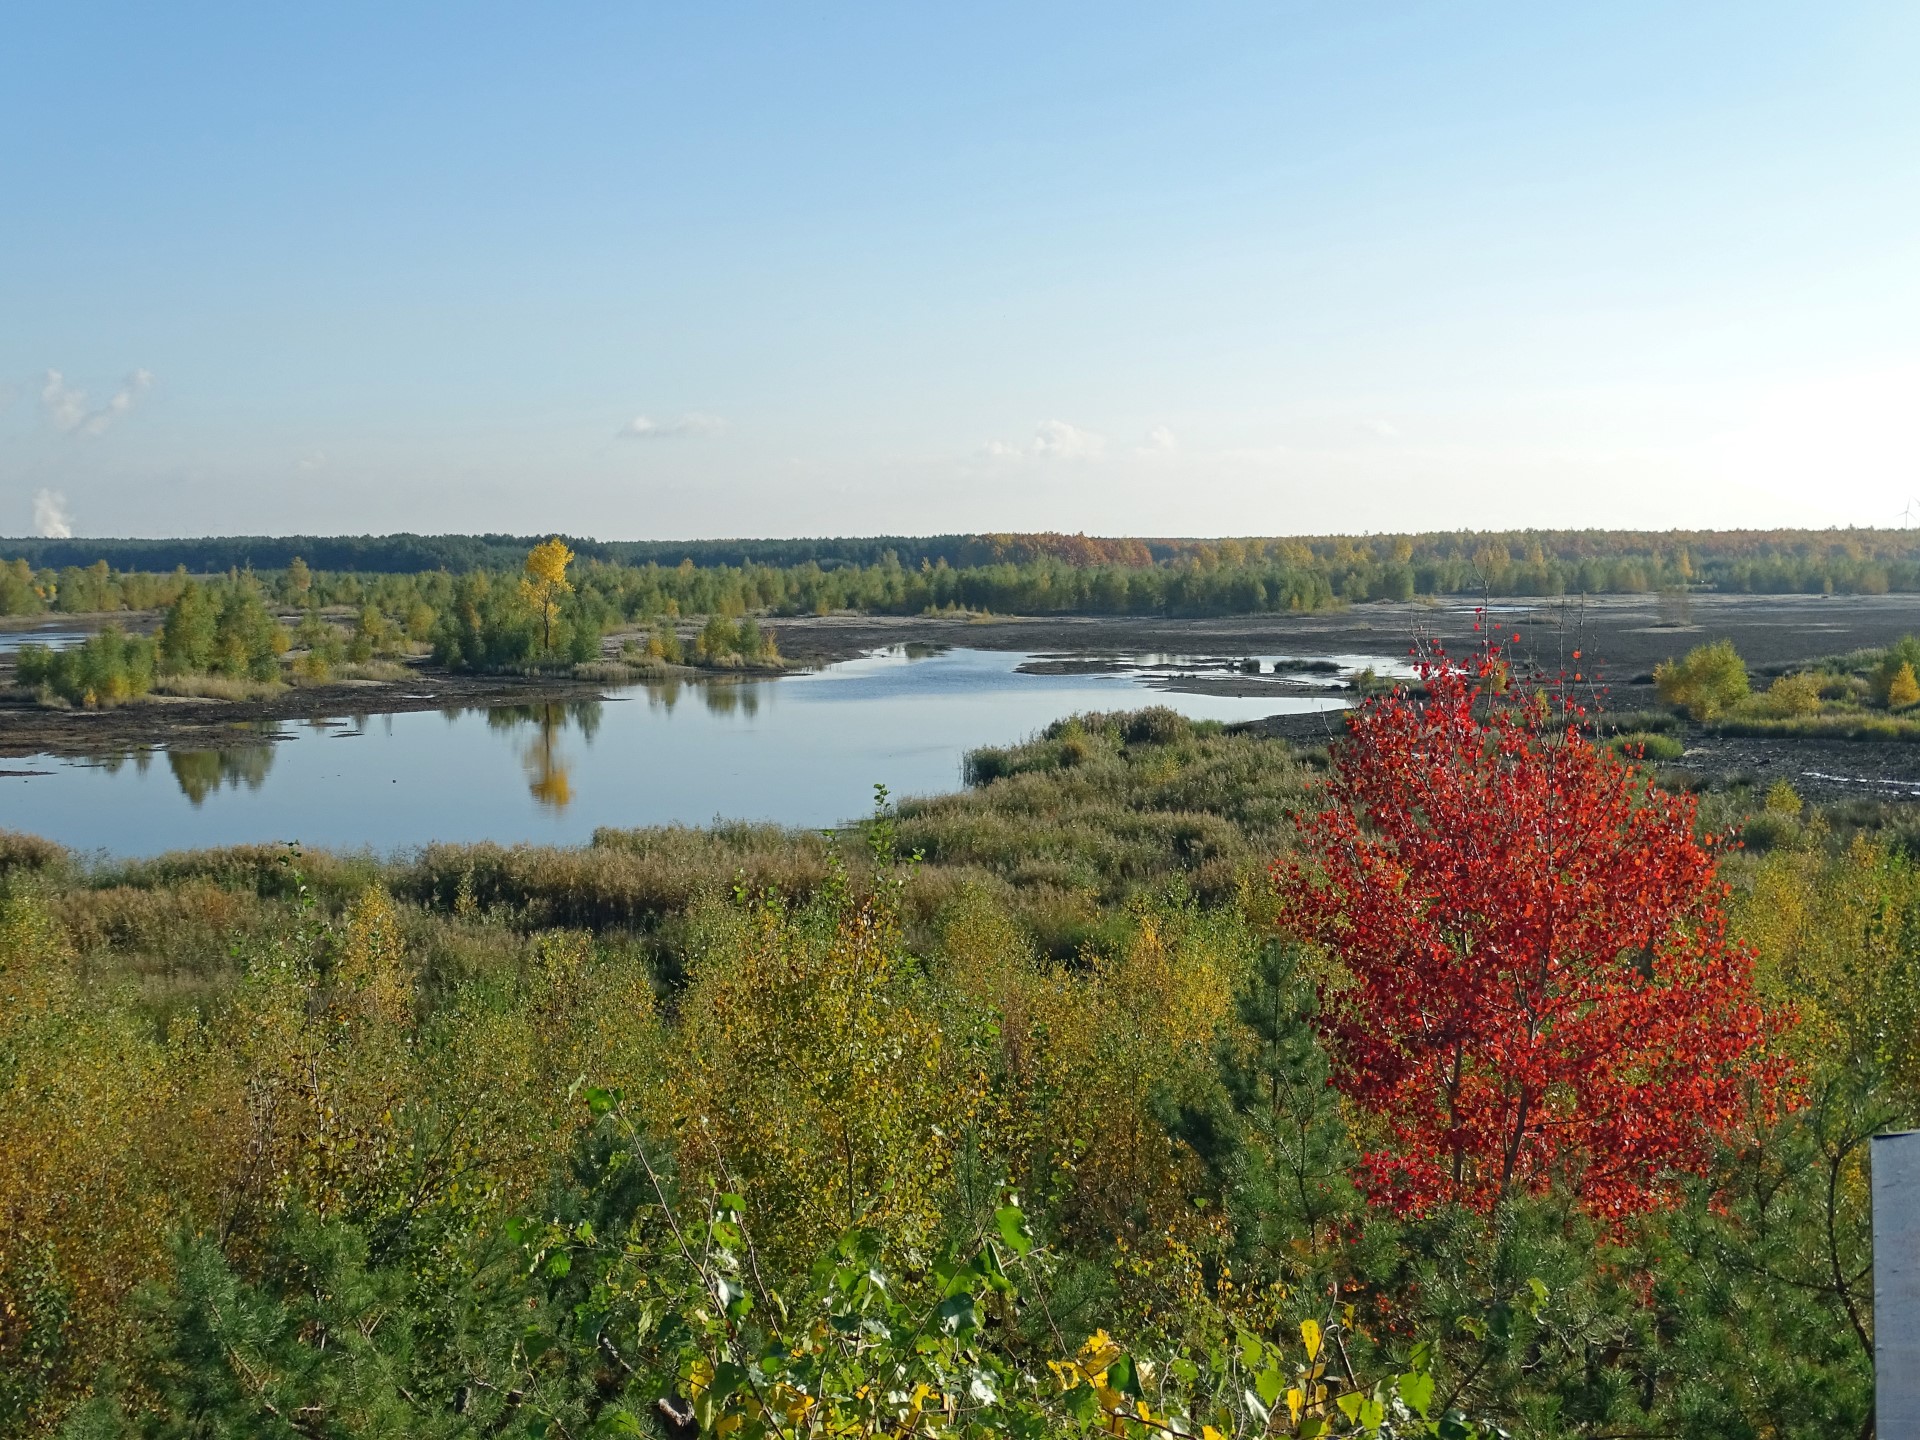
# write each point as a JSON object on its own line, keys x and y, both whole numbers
{"x": 1059, "y": 572}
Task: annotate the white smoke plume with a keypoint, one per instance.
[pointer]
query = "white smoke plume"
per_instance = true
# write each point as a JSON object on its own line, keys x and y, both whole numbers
{"x": 51, "y": 518}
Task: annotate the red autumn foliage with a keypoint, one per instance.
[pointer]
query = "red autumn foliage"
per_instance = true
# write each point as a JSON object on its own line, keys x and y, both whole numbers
{"x": 1543, "y": 992}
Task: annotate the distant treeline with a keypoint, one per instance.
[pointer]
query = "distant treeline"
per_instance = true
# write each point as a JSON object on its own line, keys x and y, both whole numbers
{"x": 1039, "y": 573}
{"x": 412, "y": 554}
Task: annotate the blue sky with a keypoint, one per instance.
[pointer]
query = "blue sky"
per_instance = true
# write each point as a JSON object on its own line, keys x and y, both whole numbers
{"x": 651, "y": 271}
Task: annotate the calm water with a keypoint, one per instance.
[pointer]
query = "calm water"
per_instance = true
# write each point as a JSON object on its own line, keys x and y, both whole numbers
{"x": 804, "y": 749}
{"x": 54, "y": 637}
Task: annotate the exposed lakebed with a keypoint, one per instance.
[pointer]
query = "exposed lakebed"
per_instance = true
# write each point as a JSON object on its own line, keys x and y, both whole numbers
{"x": 803, "y": 749}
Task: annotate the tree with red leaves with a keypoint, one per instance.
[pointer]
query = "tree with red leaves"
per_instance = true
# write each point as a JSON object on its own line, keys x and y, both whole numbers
{"x": 1540, "y": 990}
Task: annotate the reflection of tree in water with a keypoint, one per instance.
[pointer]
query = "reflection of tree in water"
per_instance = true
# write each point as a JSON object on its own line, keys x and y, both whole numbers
{"x": 548, "y": 778}
{"x": 581, "y": 715}
{"x": 114, "y": 764}
{"x": 201, "y": 772}
{"x": 724, "y": 699}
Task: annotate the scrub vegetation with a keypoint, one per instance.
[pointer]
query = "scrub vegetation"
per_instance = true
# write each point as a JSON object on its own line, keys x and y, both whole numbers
{"x": 1165, "y": 1081}
{"x": 1867, "y": 695}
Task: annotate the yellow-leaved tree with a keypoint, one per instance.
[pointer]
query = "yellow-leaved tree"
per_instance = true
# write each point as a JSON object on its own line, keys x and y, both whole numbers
{"x": 546, "y": 581}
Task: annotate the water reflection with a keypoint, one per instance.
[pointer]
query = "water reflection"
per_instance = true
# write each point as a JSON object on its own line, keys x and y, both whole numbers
{"x": 140, "y": 759}
{"x": 201, "y": 772}
{"x": 549, "y": 770}
{"x": 732, "y": 699}
{"x": 802, "y": 750}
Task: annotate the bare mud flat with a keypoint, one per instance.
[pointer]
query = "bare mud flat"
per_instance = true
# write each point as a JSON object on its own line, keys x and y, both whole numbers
{"x": 1622, "y": 636}
{"x": 1618, "y": 640}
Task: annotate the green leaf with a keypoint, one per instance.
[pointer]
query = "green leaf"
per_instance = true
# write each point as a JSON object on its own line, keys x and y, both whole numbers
{"x": 1271, "y": 1384}
{"x": 1123, "y": 1375}
{"x": 1350, "y": 1403}
{"x": 727, "y": 1378}
{"x": 1082, "y": 1403}
{"x": 1416, "y": 1390}
{"x": 956, "y": 1314}
{"x": 1013, "y": 1229}
{"x": 988, "y": 1267}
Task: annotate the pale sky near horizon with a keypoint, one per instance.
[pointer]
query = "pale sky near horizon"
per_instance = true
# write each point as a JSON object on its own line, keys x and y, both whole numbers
{"x": 652, "y": 271}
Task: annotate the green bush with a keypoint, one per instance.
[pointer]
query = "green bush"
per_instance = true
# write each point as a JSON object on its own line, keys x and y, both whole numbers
{"x": 1709, "y": 682}
{"x": 1904, "y": 652}
{"x": 107, "y": 669}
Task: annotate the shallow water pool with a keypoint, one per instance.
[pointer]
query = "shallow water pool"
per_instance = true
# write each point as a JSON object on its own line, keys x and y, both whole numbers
{"x": 803, "y": 749}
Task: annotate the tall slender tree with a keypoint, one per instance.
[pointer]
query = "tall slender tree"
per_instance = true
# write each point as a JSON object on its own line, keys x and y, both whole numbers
{"x": 546, "y": 581}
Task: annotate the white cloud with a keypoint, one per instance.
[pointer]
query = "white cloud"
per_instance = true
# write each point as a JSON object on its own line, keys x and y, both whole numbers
{"x": 1381, "y": 429}
{"x": 1052, "y": 440}
{"x": 1160, "y": 441}
{"x": 73, "y": 411}
{"x": 1057, "y": 440}
{"x": 316, "y": 461}
{"x": 694, "y": 422}
{"x": 51, "y": 518}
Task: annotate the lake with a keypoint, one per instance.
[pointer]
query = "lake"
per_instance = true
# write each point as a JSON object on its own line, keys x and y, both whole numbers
{"x": 803, "y": 749}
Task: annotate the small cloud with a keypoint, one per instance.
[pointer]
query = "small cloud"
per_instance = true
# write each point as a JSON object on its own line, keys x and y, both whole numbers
{"x": 1057, "y": 440}
{"x": 1380, "y": 429}
{"x": 316, "y": 461}
{"x": 51, "y": 518}
{"x": 1160, "y": 441}
{"x": 1052, "y": 440}
{"x": 691, "y": 424}
{"x": 71, "y": 409}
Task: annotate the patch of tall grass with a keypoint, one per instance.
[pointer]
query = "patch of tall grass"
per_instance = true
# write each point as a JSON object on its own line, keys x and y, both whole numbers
{"x": 207, "y": 685}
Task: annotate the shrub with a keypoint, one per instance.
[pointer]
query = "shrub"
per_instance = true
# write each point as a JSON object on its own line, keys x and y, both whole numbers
{"x": 1646, "y": 748}
{"x": 1156, "y": 725}
{"x": 1904, "y": 653}
{"x": 1794, "y": 695}
{"x": 108, "y": 669}
{"x": 1712, "y": 679}
{"x": 23, "y": 852}
{"x": 1903, "y": 691}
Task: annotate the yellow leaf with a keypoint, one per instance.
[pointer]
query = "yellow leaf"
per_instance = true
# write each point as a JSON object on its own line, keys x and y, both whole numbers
{"x": 1310, "y": 1333}
{"x": 1296, "y": 1398}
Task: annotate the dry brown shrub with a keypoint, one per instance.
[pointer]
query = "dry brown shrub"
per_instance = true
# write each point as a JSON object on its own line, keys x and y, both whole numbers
{"x": 21, "y": 851}
{"x": 625, "y": 878}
